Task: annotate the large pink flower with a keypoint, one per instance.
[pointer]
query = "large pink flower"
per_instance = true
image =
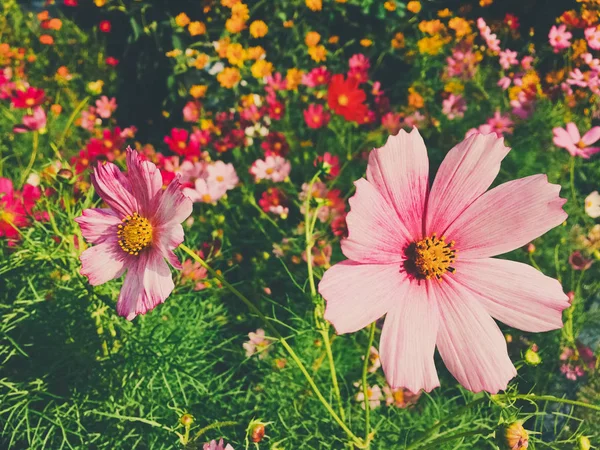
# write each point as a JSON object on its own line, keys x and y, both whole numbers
{"x": 141, "y": 227}
{"x": 423, "y": 257}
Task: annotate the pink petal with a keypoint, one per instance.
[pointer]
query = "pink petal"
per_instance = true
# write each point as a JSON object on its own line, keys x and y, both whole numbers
{"x": 514, "y": 293}
{"x": 6, "y": 187}
{"x": 591, "y": 136}
{"x": 172, "y": 206}
{"x": 589, "y": 151}
{"x": 561, "y": 138}
{"x": 103, "y": 262}
{"x": 400, "y": 172}
{"x": 573, "y": 132}
{"x": 114, "y": 188}
{"x": 147, "y": 284}
{"x": 97, "y": 224}
{"x": 408, "y": 341}
{"x": 145, "y": 179}
{"x": 359, "y": 294}
{"x": 507, "y": 217}
{"x": 169, "y": 239}
{"x": 467, "y": 172}
{"x": 376, "y": 233}
{"x": 469, "y": 341}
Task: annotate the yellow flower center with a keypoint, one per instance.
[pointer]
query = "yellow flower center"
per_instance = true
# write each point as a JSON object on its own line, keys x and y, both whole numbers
{"x": 581, "y": 144}
{"x": 343, "y": 100}
{"x": 7, "y": 217}
{"x": 206, "y": 198}
{"x": 220, "y": 178}
{"x": 399, "y": 396}
{"x": 431, "y": 257}
{"x": 135, "y": 234}
{"x": 30, "y": 102}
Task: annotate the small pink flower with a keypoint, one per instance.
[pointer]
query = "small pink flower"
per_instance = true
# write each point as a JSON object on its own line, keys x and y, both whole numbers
{"x": 454, "y": 106}
{"x": 570, "y": 139}
{"x": 374, "y": 396}
{"x": 273, "y": 167}
{"x": 592, "y": 36}
{"x": 105, "y": 107}
{"x": 580, "y": 262}
{"x": 423, "y": 257}
{"x": 214, "y": 445}
{"x": 592, "y": 205}
{"x": 500, "y": 124}
{"x": 136, "y": 233}
{"x": 222, "y": 173}
{"x": 89, "y": 119}
{"x": 559, "y": 38}
{"x": 508, "y": 58}
{"x": 589, "y": 59}
{"x": 577, "y": 78}
{"x": 35, "y": 121}
{"x": 191, "y": 112}
{"x": 315, "y": 116}
{"x": 572, "y": 372}
{"x": 317, "y": 77}
{"x": 400, "y": 397}
{"x": 257, "y": 343}
{"x": 391, "y": 122}
{"x": 374, "y": 360}
{"x": 504, "y": 83}
{"x": 527, "y": 62}
{"x": 276, "y": 82}
{"x": 205, "y": 191}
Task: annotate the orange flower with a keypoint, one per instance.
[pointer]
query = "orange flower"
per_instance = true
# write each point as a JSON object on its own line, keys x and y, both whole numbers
{"x": 261, "y": 68}
{"x": 236, "y": 55}
{"x": 182, "y": 20}
{"x": 431, "y": 26}
{"x": 201, "y": 61}
{"x": 229, "y": 77}
{"x": 288, "y": 24}
{"x": 198, "y": 90}
{"x": 240, "y": 11}
{"x": 221, "y": 47}
{"x": 398, "y": 40}
{"x": 56, "y": 109}
{"x": 334, "y": 39}
{"x": 258, "y": 29}
{"x": 414, "y": 6}
{"x": 415, "y": 99}
{"x": 390, "y": 5}
{"x": 460, "y": 26}
{"x": 293, "y": 78}
{"x": 255, "y": 53}
{"x": 430, "y": 45}
{"x": 43, "y": 16}
{"x": 443, "y": 13}
{"x": 312, "y": 38}
{"x": 46, "y": 39}
{"x": 366, "y": 42}
{"x": 314, "y": 5}
{"x": 196, "y": 28}
{"x": 55, "y": 24}
{"x": 63, "y": 72}
{"x": 229, "y": 3}
{"x": 318, "y": 53}
{"x": 235, "y": 25}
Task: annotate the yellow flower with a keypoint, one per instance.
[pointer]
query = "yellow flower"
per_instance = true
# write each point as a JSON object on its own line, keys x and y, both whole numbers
{"x": 442, "y": 13}
{"x": 229, "y": 77}
{"x": 390, "y": 5}
{"x": 318, "y": 53}
{"x": 288, "y": 24}
{"x": 431, "y": 26}
{"x": 413, "y": 6}
{"x": 221, "y": 47}
{"x": 258, "y": 29}
{"x": 341, "y": 1}
{"x": 256, "y": 52}
{"x": 261, "y": 68}
{"x": 182, "y": 20}
{"x": 312, "y": 38}
{"x": 100, "y": 3}
{"x": 198, "y": 90}
{"x": 460, "y": 26}
{"x": 229, "y": 3}
{"x": 484, "y": 3}
{"x": 235, "y": 25}
{"x": 366, "y": 42}
{"x": 196, "y": 28}
{"x": 314, "y": 5}
{"x": 516, "y": 436}
{"x": 236, "y": 55}
{"x": 398, "y": 40}
{"x": 95, "y": 87}
{"x": 430, "y": 45}
{"x": 293, "y": 78}
{"x": 240, "y": 10}
{"x": 173, "y": 53}
{"x": 415, "y": 99}
{"x": 454, "y": 87}
{"x": 579, "y": 48}
{"x": 334, "y": 39}
{"x": 247, "y": 100}
{"x": 201, "y": 61}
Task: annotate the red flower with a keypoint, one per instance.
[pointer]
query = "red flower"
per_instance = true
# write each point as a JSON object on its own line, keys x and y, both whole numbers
{"x": 105, "y": 26}
{"x": 273, "y": 201}
{"x": 329, "y": 163}
{"x": 512, "y": 21}
{"x": 275, "y": 144}
{"x": 346, "y": 99}
{"x": 112, "y": 61}
{"x": 315, "y": 116}
{"x": 28, "y": 99}
{"x": 16, "y": 208}
{"x": 71, "y": 2}
{"x": 276, "y": 110}
{"x": 178, "y": 143}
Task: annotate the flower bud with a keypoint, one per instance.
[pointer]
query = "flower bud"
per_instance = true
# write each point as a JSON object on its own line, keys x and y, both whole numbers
{"x": 258, "y": 432}
{"x": 186, "y": 420}
{"x": 584, "y": 443}
{"x": 516, "y": 437}
{"x": 532, "y": 357}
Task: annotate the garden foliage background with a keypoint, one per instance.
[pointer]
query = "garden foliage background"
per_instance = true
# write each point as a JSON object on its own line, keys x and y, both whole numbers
{"x": 243, "y": 90}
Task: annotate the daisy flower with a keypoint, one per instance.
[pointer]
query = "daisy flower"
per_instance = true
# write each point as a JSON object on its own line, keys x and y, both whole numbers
{"x": 422, "y": 256}
{"x": 136, "y": 233}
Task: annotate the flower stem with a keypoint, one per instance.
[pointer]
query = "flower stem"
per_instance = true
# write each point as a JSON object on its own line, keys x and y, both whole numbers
{"x": 33, "y": 157}
{"x": 356, "y": 440}
{"x": 572, "y": 179}
{"x": 364, "y": 382}
{"x": 199, "y": 434}
{"x": 545, "y": 398}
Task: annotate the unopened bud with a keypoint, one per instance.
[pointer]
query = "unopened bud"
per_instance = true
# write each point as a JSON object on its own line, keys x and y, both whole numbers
{"x": 584, "y": 443}
{"x": 516, "y": 437}
{"x": 258, "y": 432}
{"x": 186, "y": 420}
{"x": 532, "y": 357}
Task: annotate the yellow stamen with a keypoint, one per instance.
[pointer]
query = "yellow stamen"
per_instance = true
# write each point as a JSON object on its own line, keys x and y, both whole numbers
{"x": 343, "y": 100}
{"x": 433, "y": 257}
{"x": 135, "y": 234}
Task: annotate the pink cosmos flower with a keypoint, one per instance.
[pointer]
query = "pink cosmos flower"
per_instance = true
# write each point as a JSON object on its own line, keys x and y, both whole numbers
{"x": 423, "y": 256}
{"x": 105, "y": 107}
{"x": 504, "y": 83}
{"x": 500, "y": 124}
{"x": 571, "y": 140}
{"x": 559, "y": 38}
{"x": 89, "y": 119}
{"x": 257, "y": 343}
{"x": 400, "y": 398}
{"x": 273, "y": 167}
{"x": 316, "y": 77}
{"x": 139, "y": 229}
{"x": 223, "y": 174}
{"x": 214, "y": 445}
{"x": 315, "y": 116}
{"x": 577, "y": 78}
{"x": 374, "y": 360}
{"x": 374, "y": 396}
{"x": 592, "y": 36}
{"x": 205, "y": 191}
{"x": 191, "y": 112}
{"x": 33, "y": 122}
{"x": 391, "y": 122}
{"x": 508, "y": 58}
{"x": 454, "y": 106}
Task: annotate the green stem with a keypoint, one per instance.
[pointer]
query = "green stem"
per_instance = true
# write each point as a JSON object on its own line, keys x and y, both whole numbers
{"x": 199, "y": 434}
{"x": 572, "y": 179}
{"x": 308, "y": 236}
{"x": 357, "y": 441}
{"x": 364, "y": 382}
{"x": 436, "y": 443}
{"x": 32, "y": 159}
{"x": 72, "y": 117}
{"x": 546, "y": 398}
{"x": 334, "y": 380}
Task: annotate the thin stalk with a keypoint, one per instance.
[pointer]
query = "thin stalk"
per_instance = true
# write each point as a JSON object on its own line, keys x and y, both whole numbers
{"x": 357, "y": 441}
{"x": 308, "y": 236}
{"x": 72, "y": 117}
{"x": 572, "y": 179}
{"x": 34, "y": 151}
{"x": 199, "y": 434}
{"x": 546, "y": 398}
{"x": 436, "y": 443}
{"x": 334, "y": 380}
{"x": 364, "y": 382}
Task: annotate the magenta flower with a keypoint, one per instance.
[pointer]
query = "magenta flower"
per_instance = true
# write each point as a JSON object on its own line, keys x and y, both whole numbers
{"x": 559, "y": 38}
{"x": 139, "y": 229}
{"x": 499, "y": 124}
{"x": 105, "y": 107}
{"x": 571, "y": 140}
{"x": 214, "y": 445}
{"x": 508, "y": 58}
{"x": 316, "y": 116}
{"x": 423, "y": 257}
{"x": 35, "y": 121}
{"x": 592, "y": 36}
